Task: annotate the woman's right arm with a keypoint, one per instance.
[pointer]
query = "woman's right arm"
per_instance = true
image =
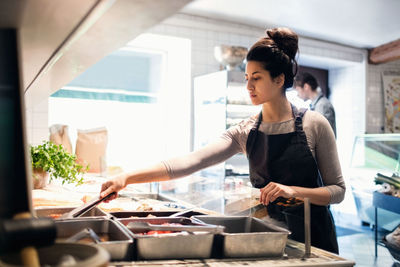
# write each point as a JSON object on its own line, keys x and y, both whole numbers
{"x": 156, "y": 173}
{"x": 220, "y": 150}
{"x": 213, "y": 153}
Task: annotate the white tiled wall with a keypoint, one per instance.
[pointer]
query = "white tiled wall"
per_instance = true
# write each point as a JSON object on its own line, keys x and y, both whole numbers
{"x": 205, "y": 34}
{"x": 37, "y": 123}
{"x": 348, "y": 97}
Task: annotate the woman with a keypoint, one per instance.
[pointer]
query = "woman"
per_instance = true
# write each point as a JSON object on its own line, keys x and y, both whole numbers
{"x": 292, "y": 153}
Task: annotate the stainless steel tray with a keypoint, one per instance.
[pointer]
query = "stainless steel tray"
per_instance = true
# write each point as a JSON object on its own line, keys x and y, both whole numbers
{"x": 119, "y": 244}
{"x": 171, "y": 246}
{"x": 142, "y": 196}
{"x": 141, "y": 214}
{"x": 49, "y": 212}
{"x": 149, "y": 214}
{"x": 247, "y": 237}
{"x": 187, "y": 213}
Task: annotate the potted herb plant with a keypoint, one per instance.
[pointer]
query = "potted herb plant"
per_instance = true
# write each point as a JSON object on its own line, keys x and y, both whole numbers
{"x": 50, "y": 160}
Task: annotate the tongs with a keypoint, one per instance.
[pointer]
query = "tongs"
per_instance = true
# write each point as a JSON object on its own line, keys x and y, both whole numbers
{"x": 138, "y": 227}
{"x": 87, "y": 232}
{"x": 82, "y": 209}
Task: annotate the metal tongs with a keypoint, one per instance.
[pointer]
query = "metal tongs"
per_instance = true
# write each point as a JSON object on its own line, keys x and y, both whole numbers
{"x": 87, "y": 232}
{"x": 138, "y": 227}
{"x": 82, "y": 209}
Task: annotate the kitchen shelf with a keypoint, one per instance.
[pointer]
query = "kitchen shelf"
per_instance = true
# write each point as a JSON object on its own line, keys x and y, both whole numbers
{"x": 223, "y": 97}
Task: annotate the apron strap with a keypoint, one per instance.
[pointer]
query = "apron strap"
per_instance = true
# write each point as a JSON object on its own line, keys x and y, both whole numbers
{"x": 252, "y": 136}
{"x": 298, "y": 115}
{"x": 258, "y": 123}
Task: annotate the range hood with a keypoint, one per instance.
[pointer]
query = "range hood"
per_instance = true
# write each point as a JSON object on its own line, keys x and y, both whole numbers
{"x": 58, "y": 39}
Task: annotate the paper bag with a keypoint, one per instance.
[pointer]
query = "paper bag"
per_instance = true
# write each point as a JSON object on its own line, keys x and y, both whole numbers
{"x": 59, "y": 136}
{"x": 91, "y": 148}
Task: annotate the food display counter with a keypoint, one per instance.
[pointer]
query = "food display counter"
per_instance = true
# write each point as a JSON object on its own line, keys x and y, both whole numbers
{"x": 293, "y": 256}
{"x": 372, "y": 154}
{"x": 110, "y": 222}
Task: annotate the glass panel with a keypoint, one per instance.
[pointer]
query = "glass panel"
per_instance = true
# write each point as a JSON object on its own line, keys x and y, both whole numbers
{"x": 380, "y": 152}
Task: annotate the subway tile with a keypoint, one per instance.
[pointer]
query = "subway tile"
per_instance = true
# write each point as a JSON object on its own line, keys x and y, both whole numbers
{"x": 211, "y": 35}
{"x": 39, "y": 135}
{"x": 43, "y": 106}
{"x": 29, "y": 135}
{"x": 28, "y": 118}
{"x": 40, "y": 120}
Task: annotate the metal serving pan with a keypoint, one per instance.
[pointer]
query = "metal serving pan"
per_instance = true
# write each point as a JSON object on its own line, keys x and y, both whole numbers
{"x": 171, "y": 246}
{"x": 247, "y": 237}
{"x": 187, "y": 213}
{"x": 49, "y": 212}
{"x": 119, "y": 243}
{"x": 141, "y": 214}
{"x": 143, "y": 196}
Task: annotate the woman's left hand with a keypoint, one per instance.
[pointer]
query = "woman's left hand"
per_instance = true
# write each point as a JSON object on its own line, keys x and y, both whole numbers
{"x": 274, "y": 190}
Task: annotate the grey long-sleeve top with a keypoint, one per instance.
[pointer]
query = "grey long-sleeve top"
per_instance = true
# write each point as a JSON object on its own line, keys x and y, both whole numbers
{"x": 320, "y": 139}
{"x": 322, "y": 105}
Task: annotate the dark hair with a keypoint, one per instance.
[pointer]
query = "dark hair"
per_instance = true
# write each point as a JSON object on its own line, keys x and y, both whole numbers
{"x": 306, "y": 78}
{"x": 276, "y": 52}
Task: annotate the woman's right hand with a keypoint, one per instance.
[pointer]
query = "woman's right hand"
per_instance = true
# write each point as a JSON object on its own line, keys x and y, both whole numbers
{"x": 114, "y": 185}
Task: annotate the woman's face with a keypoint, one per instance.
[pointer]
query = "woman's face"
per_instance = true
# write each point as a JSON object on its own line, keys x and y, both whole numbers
{"x": 261, "y": 87}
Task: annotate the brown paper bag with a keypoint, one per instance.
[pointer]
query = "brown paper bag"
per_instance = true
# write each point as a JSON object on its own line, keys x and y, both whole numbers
{"x": 91, "y": 149}
{"x": 59, "y": 136}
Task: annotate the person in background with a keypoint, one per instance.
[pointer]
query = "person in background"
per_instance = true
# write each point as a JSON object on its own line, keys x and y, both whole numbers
{"x": 306, "y": 86}
{"x": 292, "y": 153}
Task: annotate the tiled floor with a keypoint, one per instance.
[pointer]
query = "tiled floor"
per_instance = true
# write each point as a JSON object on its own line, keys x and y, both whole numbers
{"x": 356, "y": 242}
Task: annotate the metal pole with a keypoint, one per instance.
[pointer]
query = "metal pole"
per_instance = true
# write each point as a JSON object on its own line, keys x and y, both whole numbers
{"x": 376, "y": 231}
{"x": 307, "y": 228}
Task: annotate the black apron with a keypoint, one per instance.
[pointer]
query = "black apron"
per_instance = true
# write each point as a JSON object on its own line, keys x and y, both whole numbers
{"x": 287, "y": 159}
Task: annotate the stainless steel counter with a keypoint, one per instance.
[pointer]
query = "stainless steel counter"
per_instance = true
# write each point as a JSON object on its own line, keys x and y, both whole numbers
{"x": 234, "y": 197}
{"x": 293, "y": 256}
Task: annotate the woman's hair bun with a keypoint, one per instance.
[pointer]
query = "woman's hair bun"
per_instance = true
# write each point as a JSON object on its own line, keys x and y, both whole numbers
{"x": 285, "y": 39}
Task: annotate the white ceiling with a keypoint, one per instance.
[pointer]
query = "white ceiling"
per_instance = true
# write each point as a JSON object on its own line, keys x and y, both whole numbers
{"x": 358, "y": 23}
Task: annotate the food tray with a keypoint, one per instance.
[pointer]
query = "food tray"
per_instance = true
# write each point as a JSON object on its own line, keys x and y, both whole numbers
{"x": 247, "y": 237}
{"x": 187, "y": 213}
{"x": 141, "y": 214}
{"x": 144, "y": 196}
{"x": 119, "y": 244}
{"x": 171, "y": 246}
{"x": 48, "y": 212}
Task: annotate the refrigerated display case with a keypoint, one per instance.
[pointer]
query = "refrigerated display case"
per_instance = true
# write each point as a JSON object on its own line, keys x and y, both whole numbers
{"x": 372, "y": 154}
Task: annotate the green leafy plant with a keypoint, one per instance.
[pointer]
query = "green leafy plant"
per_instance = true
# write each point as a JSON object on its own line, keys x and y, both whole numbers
{"x": 55, "y": 160}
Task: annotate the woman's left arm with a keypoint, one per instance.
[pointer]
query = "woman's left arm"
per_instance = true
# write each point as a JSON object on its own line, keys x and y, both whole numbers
{"x": 327, "y": 159}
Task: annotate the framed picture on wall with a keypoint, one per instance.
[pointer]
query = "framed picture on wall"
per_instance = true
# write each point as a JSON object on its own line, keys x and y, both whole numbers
{"x": 391, "y": 94}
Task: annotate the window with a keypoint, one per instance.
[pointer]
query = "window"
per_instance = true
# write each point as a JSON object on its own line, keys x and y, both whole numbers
{"x": 140, "y": 93}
